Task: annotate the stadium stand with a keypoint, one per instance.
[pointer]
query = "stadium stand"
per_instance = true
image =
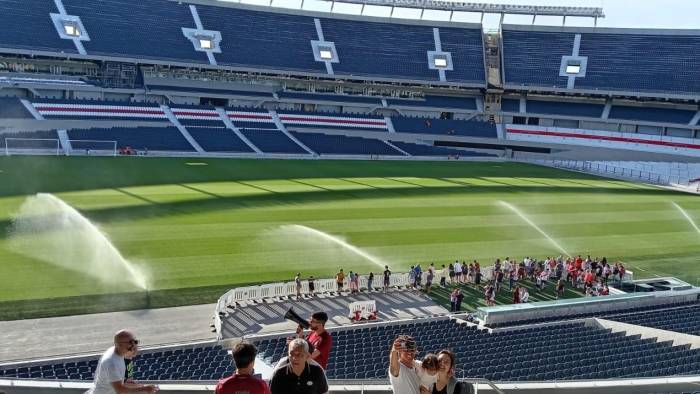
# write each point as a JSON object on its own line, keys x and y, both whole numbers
{"x": 530, "y": 354}
{"x": 652, "y": 114}
{"x": 18, "y": 15}
{"x": 332, "y": 121}
{"x": 149, "y": 29}
{"x": 152, "y": 138}
{"x": 617, "y": 59}
{"x": 218, "y": 139}
{"x": 429, "y": 150}
{"x": 255, "y": 38}
{"x": 98, "y": 110}
{"x": 272, "y": 141}
{"x": 251, "y": 118}
{"x": 11, "y": 108}
{"x": 564, "y": 108}
{"x": 684, "y": 319}
{"x": 209, "y": 362}
{"x": 510, "y": 105}
{"x": 403, "y": 54}
{"x": 468, "y": 128}
{"x": 343, "y": 145}
{"x": 263, "y": 39}
{"x": 612, "y": 314}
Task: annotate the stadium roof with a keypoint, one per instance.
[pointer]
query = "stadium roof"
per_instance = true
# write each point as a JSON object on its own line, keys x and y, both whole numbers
{"x": 592, "y": 12}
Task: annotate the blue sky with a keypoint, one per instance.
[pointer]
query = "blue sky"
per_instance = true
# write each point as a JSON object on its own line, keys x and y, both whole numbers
{"x": 669, "y": 14}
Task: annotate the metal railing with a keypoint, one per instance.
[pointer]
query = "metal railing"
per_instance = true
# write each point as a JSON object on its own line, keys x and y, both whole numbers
{"x": 618, "y": 172}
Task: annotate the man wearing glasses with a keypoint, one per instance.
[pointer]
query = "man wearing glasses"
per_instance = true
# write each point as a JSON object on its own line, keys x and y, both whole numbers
{"x": 402, "y": 367}
{"x": 110, "y": 372}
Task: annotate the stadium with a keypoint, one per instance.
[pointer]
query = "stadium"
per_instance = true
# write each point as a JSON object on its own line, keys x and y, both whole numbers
{"x": 199, "y": 172}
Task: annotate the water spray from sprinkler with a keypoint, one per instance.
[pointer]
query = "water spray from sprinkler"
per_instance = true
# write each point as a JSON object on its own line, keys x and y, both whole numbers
{"x": 533, "y": 225}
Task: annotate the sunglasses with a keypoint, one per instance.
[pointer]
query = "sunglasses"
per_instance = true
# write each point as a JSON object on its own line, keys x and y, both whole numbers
{"x": 131, "y": 342}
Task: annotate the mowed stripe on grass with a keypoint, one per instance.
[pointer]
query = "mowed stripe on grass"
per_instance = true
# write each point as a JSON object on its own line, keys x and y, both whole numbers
{"x": 227, "y": 223}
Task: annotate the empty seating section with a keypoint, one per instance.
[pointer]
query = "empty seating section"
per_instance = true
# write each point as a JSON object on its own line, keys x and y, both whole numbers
{"x": 466, "y": 47}
{"x": 641, "y": 62}
{"x": 429, "y": 150}
{"x": 665, "y": 115}
{"x": 332, "y": 120}
{"x": 251, "y": 118}
{"x": 376, "y": 49}
{"x": 150, "y": 29}
{"x": 510, "y": 105}
{"x": 152, "y": 138}
{"x": 272, "y": 141}
{"x": 200, "y": 363}
{"x": 342, "y": 145}
{"x": 98, "y": 110}
{"x": 616, "y": 61}
{"x": 533, "y": 58}
{"x": 685, "y": 320}
{"x": 208, "y": 123}
{"x": 218, "y": 139}
{"x": 560, "y": 352}
{"x": 198, "y": 116}
{"x": 12, "y": 108}
{"x": 19, "y": 15}
{"x": 610, "y": 314}
{"x": 263, "y": 39}
{"x": 469, "y": 128}
{"x": 565, "y": 108}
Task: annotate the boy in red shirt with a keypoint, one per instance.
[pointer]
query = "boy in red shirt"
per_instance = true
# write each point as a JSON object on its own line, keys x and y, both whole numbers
{"x": 243, "y": 380}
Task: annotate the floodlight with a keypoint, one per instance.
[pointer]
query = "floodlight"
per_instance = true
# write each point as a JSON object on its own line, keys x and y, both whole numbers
{"x": 573, "y": 68}
{"x": 71, "y": 29}
{"x": 325, "y": 54}
{"x": 206, "y": 43}
{"x": 439, "y": 61}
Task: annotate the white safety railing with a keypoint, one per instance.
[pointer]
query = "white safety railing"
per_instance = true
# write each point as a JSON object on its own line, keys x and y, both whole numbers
{"x": 286, "y": 289}
{"x": 617, "y": 171}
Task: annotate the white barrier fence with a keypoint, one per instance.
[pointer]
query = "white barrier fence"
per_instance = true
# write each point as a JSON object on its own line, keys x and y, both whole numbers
{"x": 284, "y": 289}
{"x": 616, "y": 171}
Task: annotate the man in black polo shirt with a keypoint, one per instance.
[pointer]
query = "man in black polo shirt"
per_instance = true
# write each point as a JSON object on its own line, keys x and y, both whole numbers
{"x": 297, "y": 374}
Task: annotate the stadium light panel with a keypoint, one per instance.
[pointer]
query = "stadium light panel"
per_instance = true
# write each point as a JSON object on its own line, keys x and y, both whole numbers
{"x": 325, "y": 54}
{"x": 573, "y": 68}
{"x": 440, "y": 61}
{"x": 206, "y": 43}
{"x": 71, "y": 29}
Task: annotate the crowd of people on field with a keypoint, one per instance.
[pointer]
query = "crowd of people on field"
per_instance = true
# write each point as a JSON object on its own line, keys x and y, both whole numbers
{"x": 590, "y": 276}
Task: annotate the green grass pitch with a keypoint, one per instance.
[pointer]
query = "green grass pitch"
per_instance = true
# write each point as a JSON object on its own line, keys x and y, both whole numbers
{"x": 202, "y": 226}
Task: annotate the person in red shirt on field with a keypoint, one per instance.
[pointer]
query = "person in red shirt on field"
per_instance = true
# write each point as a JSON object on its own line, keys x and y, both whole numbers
{"x": 243, "y": 380}
{"x": 319, "y": 338}
{"x": 588, "y": 279}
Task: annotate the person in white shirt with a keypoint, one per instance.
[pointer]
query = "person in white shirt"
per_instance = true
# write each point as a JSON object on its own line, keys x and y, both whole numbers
{"x": 458, "y": 271}
{"x": 524, "y": 295}
{"x": 110, "y": 372}
{"x": 427, "y": 371}
{"x": 506, "y": 266}
{"x": 403, "y": 374}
